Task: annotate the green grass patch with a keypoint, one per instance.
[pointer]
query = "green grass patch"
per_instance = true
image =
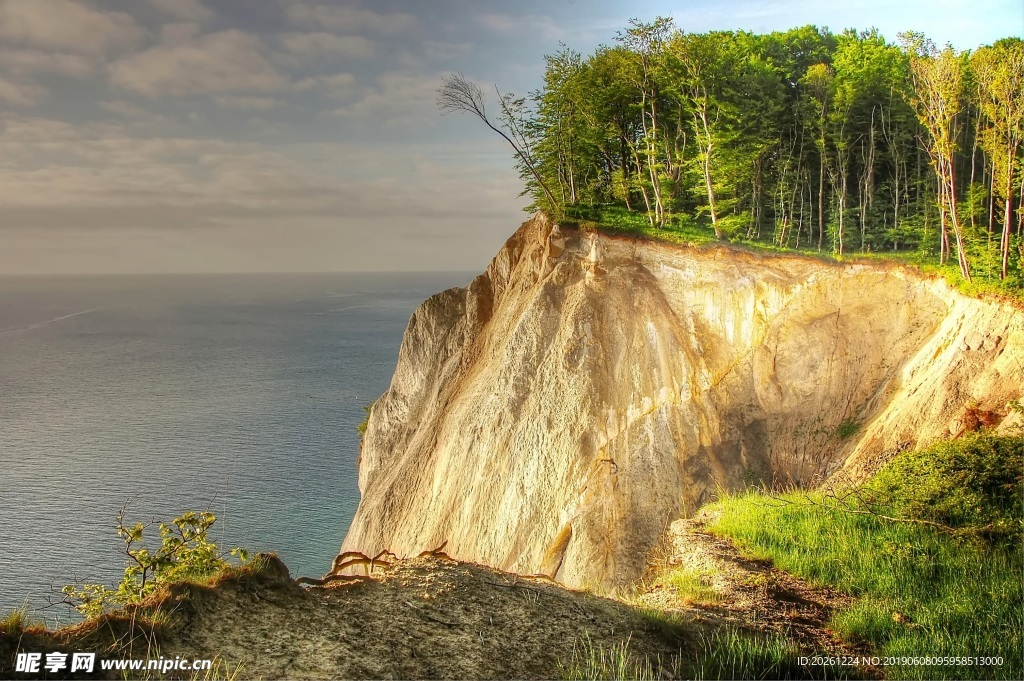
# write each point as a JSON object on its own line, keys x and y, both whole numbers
{"x": 692, "y": 585}
{"x": 15, "y": 622}
{"x": 732, "y": 654}
{"x": 847, "y": 429}
{"x": 685, "y": 229}
{"x": 614, "y": 220}
{"x": 930, "y": 546}
{"x": 590, "y": 661}
{"x": 727, "y": 653}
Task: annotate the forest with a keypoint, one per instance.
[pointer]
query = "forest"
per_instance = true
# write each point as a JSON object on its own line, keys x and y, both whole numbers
{"x": 836, "y": 143}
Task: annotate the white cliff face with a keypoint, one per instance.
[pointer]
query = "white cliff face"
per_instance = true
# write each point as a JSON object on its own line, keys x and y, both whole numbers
{"x": 586, "y": 390}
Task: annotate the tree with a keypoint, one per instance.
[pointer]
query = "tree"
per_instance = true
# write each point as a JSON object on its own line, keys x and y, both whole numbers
{"x": 703, "y": 62}
{"x": 938, "y": 98}
{"x": 999, "y": 70}
{"x": 647, "y": 42}
{"x": 819, "y": 84}
{"x": 459, "y": 95}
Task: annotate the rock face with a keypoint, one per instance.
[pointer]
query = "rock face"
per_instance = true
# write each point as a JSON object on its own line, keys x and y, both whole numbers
{"x": 586, "y": 390}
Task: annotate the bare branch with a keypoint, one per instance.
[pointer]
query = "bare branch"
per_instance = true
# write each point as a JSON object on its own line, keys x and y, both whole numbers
{"x": 457, "y": 94}
{"x": 460, "y": 95}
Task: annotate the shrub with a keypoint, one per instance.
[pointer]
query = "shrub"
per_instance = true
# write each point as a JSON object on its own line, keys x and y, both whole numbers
{"x": 186, "y": 553}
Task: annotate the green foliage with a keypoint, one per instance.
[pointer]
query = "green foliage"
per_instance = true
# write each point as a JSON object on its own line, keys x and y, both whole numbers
{"x": 847, "y": 429}
{"x": 922, "y": 590}
{"x": 362, "y": 425}
{"x": 799, "y": 140}
{"x": 185, "y": 554}
{"x": 974, "y": 483}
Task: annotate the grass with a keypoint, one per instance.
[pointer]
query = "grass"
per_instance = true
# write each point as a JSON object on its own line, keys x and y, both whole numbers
{"x": 15, "y": 622}
{"x": 692, "y": 585}
{"x": 598, "y": 663}
{"x": 618, "y": 220}
{"x": 952, "y": 588}
{"x": 724, "y": 654}
{"x": 847, "y": 429}
{"x": 684, "y": 229}
{"x": 732, "y": 654}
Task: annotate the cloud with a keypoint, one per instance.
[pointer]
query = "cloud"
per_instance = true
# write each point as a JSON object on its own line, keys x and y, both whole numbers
{"x": 98, "y": 197}
{"x": 192, "y": 11}
{"x": 27, "y": 62}
{"x": 66, "y": 26}
{"x": 347, "y": 18}
{"x": 177, "y": 33}
{"x": 320, "y": 44}
{"x": 335, "y": 86}
{"x": 227, "y": 62}
{"x": 248, "y": 103}
{"x": 529, "y": 24}
{"x": 124, "y": 109}
{"x": 49, "y": 164}
{"x": 18, "y": 93}
{"x": 397, "y": 100}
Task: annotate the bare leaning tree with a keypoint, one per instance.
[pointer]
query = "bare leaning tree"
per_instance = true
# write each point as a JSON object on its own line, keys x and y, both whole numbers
{"x": 460, "y": 95}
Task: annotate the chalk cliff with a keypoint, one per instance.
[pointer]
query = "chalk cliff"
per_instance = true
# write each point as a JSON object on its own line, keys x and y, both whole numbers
{"x": 586, "y": 390}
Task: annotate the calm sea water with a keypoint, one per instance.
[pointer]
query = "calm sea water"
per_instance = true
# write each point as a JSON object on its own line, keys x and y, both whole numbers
{"x": 240, "y": 393}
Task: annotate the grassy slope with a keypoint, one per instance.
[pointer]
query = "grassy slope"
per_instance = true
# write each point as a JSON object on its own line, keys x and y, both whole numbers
{"x": 923, "y": 590}
{"x": 617, "y": 220}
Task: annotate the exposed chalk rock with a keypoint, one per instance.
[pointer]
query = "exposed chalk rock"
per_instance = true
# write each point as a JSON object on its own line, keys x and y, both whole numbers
{"x": 586, "y": 390}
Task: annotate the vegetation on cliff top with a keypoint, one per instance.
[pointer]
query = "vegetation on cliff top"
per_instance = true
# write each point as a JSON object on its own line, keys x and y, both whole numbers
{"x": 803, "y": 140}
{"x": 930, "y": 547}
{"x": 186, "y": 553}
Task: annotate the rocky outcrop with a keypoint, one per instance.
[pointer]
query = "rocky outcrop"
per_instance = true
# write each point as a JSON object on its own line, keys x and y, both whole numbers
{"x": 586, "y": 390}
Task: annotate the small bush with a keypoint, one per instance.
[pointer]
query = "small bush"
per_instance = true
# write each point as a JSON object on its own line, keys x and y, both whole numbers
{"x": 973, "y": 483}
{"x": 847, "y": 429}
{"x": 185, "y": 554}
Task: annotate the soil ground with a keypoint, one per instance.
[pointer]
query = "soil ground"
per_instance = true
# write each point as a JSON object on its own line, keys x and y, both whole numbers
{"x": 743, "y": 592}
{"x": 434, "y": 618}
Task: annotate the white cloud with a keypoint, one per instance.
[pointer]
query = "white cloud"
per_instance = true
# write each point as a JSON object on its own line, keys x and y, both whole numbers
{"x": 347, "y": 18}
{"x": 66, "y": 26}
{"x": 192, "y": 11}
{"x": 227, "y": 62}
{"x": 320, "y": 44}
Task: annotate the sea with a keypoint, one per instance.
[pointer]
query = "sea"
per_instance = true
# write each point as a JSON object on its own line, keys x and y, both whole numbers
{"x": 237, "y": 394}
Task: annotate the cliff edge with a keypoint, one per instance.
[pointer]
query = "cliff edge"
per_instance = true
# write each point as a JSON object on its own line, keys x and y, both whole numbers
{"x": 560, "y": 412}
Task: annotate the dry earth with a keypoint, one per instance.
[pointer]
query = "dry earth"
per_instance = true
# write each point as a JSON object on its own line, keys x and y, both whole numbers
{"x": 420, "y": 619}
{"x": 743, "y": 592}
{"x": 434, "y": 618}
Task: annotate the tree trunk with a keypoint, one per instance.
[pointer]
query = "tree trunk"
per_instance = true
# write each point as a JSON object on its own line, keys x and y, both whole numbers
{"x": 1004, "y": 245}
{"x": 821, "y": 202}
{"x": 961, "y": 253}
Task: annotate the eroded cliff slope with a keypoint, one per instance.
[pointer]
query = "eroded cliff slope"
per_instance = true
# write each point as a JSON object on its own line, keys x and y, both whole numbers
{"x": 586, "y": 390}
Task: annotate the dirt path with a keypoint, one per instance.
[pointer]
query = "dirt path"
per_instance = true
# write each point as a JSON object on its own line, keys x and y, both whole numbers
{"x": 716, "y": 585}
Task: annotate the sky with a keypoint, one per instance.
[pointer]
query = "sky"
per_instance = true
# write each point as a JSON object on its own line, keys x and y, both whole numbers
{"x": 302, "y": 135}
